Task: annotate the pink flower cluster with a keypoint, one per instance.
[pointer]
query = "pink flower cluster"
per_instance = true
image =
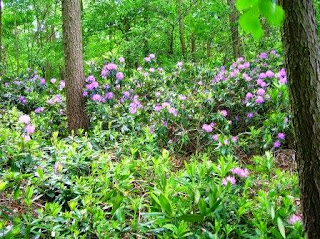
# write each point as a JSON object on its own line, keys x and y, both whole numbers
{"x": 242, "y": 173}
{"x": 29, "y": 129}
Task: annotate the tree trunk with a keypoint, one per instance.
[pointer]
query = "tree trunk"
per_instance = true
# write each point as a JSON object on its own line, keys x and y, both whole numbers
{"x": 181, "y": 29}
{"x": 234, "y": 28}
{"x": 16, "y": 44}
{"x": 171, "y": 41}
{"x": 74, "y": 69}
{"x": 1, "y": 66}
{"x": 209, "y": 46}
{"x": 193, "y": 46}
{"x": 302, "y": 59}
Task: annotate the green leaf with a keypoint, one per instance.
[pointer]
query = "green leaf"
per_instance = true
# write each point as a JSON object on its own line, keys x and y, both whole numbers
{"x": 197, "y": 196}
{"x": 272, "y": 12}
{"x": 191, "y": 218}
{"x": 2, "y": 185}
{"x": 165, "y": 204}
{"x": 272, "y": 212}
{"x": 281, "y": 227}
{"x": 250, "y": 23}
{"x": 245, "y": 4}
{"x": 202, "y": 206}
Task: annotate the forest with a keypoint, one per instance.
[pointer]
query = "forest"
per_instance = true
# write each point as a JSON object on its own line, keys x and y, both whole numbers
{"x": 160, "y": 119}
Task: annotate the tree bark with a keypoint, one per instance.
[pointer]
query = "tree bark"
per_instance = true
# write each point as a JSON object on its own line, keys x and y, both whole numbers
{"x": 209, "y": 47}
{"x": 16, "y": 44}
{"x": 74, "y": 69}
{"x": 1, "y": 66}
{"x": 171, "y": 40}
{"x": 181, "y": 29}
{"x": 193, "y": 46}
{"x": 302, "y": 59}
{"x": 234, "y": 28}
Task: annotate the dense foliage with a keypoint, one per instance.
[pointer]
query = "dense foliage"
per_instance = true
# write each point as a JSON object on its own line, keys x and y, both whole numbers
{"x": 164, "y": 156}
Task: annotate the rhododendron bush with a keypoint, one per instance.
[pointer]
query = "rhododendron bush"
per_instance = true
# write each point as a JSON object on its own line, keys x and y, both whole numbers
{"x": 170, "y": 153}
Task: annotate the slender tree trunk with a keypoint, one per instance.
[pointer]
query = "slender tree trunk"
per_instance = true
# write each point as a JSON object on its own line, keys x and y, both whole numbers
{"x": 16, "y": 44}
{"x": 74, "y": 70}
{"x": 193, "y": 46}
{"x": 209, "y": 47}
{"x": 234, "y": 28}
{"x": 181, "y": 29}
{"x": 1, "y": 66}
{"x": 302, "y": 58}
{"x": 171, "y": 40}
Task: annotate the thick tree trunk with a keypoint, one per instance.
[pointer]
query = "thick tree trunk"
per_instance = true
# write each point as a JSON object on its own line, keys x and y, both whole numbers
{"x": 302, "y": 58}
{"x": 234, "y": 28}
{"x": 74, "y": 71}
{"x": 181, "y": 29}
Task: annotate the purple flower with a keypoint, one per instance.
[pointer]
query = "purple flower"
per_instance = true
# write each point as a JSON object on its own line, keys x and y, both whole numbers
{"x": 111, "y": 67}
{"x": 62, "y": 84}
{"x": 269, "y": 74}
{"x": 234, "y": 139}
{"x": 121, "y": 59}
{"x": 147, "y": 59}
{"x": 165, "y": 104}
{"x": 105, "y": 73}
{"x": 250, "y": 115}
{"x": 85, "y": 93}
{"x": 242, "y": 173}
{"x": 53, "y": 80}
{"x": 261, "y": 91}
{"x": 249, "y": 95}
{"x": 273, "y": 52}
{"x": 139, "y": 68}
{"x": 146, "y": 74}
{"x": 228, "y": 179}
{"x": 263, "y": 55}
{"x": 160, "y": 69}
{"x": 246, "y": 77}
{"x": 109, "y": 95}
{"x": 26, "y": 137}
{"x": 158, "y": 93}
{"x": 96, "y": 97}
{"x": 24, "y": 119}
{"x": 30, "y": 129}
{"x": 179, "y": 64}
{"x": 182, "y": 97}
{"x": 152, "y": 70}
{"x": 262, "y": 75}
{"x": 157, "y": 108}
{"x": 92, "y": 85}
{"x": 295, "y": 218}
{"x": 277, "y": 144}
{"x": 173, "y": 111}
{"x": 207, "y": 128}
{"x": 281, "y": 136}
{"x": 126, "y": 94}
{"x": 22, "y": 99}
{"x": 152, "y": 56}
{"x": 259, "y": 100}
{"x": 120, "y": 75}
{"x": 90, "y": 79}
{"x": 215, "y": 137}
{"x": 151, "y": 129}
{"x": 43, "y": 81}
{"x": 224, "y": 113}
{"x": 39, "y": 110}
